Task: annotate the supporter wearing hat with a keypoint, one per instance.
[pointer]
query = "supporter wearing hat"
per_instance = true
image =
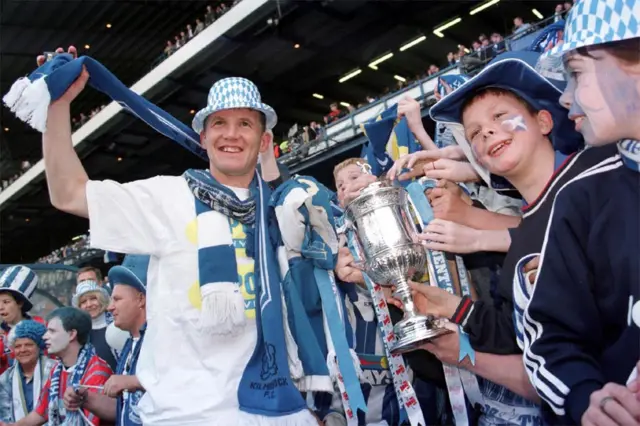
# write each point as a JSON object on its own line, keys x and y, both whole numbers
{"x": 122, "y": 392}
{"x": 581, "y": 330}
{"x": 17, "y": 285}
{"x": 195, "y": 228}
{"x": 20, "y": 385}
{"x": 94, "y": 299}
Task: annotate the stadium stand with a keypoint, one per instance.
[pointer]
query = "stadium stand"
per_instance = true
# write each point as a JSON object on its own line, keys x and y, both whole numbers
{"x": 112, "y": 142}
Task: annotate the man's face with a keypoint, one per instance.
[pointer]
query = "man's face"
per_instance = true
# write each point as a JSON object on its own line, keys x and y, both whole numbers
{"x": 517, "y": 22}
{"x": 26, "y": 351}
{"x": 233, "y": 139}
{"x": 56, "y": 338}
{"x": 87, "y": 275}
{"x": 603, "y": 100}
{"x": 126, "y": 305}
{"x": 502, "y": 133}
{"x": 343, "y": 177}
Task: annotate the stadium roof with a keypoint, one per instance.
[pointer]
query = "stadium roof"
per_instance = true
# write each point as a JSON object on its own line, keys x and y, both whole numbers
{"x": 313, "y": 45}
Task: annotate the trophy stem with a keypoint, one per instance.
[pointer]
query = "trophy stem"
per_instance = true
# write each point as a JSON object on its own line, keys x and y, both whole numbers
{"x": 414, "y": 329}
{"x": 403, "y": 294}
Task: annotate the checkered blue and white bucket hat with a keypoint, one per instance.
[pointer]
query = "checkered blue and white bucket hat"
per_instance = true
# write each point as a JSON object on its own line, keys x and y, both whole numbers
{"x": 234, "y": 92}
{"x": 594, "y": 22}
{"x": 21, "y": 282}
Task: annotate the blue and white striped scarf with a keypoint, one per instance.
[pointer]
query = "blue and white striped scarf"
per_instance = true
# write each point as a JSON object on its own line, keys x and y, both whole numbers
{"x": 266, "y": 388}
{"x": 72, "y": 418}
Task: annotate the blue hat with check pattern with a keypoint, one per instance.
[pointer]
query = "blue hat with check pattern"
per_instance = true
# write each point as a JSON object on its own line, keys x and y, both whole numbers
{"x": 230, "y": 93}
{"x": 21, "y": 282}
{"x": 591, "y": 23}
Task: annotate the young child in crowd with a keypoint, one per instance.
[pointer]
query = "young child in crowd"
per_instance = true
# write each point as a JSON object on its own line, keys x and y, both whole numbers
{"x": 377, "y": 382}
{"x": 582, "y": 324}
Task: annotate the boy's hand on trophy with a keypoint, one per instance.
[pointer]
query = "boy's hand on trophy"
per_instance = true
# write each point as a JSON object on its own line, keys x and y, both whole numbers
{"x": 388, "y": 296}
{"x": 446, "y": 347}
{"x": 346, "y": 268}
{"x": 352, "y": 188}
{"x": 447, "y": 205}
{"x": 431, "y": 300}
{"x": 451, "y": 237}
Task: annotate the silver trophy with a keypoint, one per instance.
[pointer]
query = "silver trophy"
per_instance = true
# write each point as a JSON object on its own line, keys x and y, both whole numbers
{"x": 387, "y": 239}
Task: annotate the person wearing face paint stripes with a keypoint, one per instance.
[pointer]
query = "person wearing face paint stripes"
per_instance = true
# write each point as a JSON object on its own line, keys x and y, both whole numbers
{"x": 582, "y": 324}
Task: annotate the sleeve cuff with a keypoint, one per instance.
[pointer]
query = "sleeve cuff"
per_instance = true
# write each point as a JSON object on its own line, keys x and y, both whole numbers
{"x": 577, "y": 402}
{"x": 464, "y": 309}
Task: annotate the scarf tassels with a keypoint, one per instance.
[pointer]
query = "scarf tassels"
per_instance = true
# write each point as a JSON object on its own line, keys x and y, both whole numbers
{"x": 29, "y": 101}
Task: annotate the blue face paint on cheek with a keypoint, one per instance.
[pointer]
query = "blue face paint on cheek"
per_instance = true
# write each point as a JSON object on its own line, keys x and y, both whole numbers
{"x": 514, "y": 124}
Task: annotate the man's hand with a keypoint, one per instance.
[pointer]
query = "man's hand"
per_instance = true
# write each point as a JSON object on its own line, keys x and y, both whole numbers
{"x": 410, "y": 108}
{"x": 73, "y": 400}
{"x": 346, "y": 268}
{"x": 446, "y": 204}
{"x": 352, "y": 188}
{"x": 74, "y": 90}
{"x": 444, "y": 235}
{"x": 116, "y": 384}
{"x": 431, "y": 300}
{"x": 614, "y": 404}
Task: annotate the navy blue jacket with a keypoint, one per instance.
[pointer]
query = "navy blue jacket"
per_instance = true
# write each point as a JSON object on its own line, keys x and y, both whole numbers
{"x": 578, "y": 329}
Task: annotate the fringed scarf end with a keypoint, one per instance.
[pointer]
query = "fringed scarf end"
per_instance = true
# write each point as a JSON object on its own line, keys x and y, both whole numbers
{"x": 29, "y": 101}
{"x": 222, "y": 309}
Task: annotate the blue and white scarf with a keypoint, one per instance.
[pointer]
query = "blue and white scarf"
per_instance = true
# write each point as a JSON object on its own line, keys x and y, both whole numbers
{"x": 266, "y": 388}
{"x": 126, "y": 408}
{"x": 305, "y": 216}
{"x": 72, "y": 418}
{"x": 29, "y": 98}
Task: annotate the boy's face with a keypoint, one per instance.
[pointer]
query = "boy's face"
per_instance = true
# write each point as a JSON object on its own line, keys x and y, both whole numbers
{"x": 502, "y": 132}
{"x": 603, "y": 100}
{"x": 344, "y": 176}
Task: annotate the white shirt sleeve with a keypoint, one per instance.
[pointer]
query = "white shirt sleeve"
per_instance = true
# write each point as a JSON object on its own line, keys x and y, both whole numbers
{"x": 130, "y": 218}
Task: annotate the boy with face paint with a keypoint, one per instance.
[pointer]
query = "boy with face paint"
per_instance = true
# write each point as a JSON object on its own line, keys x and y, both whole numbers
{"x": 78, "y": 367}
{"x": 517, "y": 131}
{"x": 582, "y": 324}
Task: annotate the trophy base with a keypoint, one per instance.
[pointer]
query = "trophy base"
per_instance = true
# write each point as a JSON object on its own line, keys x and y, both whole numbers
{"x": 413, "y": 332}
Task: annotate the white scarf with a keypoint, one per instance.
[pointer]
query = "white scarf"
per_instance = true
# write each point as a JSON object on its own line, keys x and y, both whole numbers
{"x": 19, "y": 402}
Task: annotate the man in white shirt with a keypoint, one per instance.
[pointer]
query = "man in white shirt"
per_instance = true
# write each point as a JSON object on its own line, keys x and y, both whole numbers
{"x": 192, "y": 376}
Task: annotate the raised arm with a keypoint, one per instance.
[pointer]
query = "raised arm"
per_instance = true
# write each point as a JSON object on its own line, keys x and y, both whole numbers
{"x": 66, "y": 177}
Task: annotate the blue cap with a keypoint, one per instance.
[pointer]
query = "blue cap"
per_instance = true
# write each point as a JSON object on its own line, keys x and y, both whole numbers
{"x": 132, "y": 272}
{"x": 515, "y": 72}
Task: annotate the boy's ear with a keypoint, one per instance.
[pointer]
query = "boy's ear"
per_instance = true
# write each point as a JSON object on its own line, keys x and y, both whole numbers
{"x": 545, "y": 121}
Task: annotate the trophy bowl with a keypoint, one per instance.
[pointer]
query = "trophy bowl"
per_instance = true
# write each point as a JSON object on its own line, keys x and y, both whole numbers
{"x": 386, "y": 236}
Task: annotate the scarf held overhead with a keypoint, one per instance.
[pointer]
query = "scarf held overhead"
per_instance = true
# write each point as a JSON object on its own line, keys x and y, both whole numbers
{"x": 29, "y": 98}
{"x": 266, "y": 388}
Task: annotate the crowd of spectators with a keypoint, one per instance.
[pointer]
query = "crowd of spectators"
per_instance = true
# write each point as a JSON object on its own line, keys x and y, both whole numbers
{"x": 211, "y": 15}
{"x": 24, "y": 166}
{"x": 483, "y": 49}
{"x": 79, "y": 245}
